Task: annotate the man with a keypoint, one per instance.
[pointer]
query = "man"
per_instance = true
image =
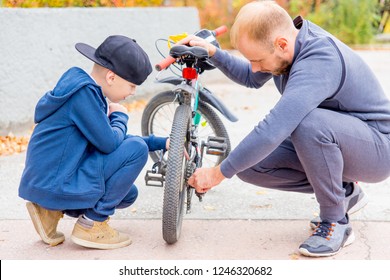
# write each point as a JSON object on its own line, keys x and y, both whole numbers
{"x": 329, "y": 129}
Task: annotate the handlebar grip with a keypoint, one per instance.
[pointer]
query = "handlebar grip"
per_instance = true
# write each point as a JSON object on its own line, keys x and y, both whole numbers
{"x": 164, "y": 63}
{"x": 220, "y": 30}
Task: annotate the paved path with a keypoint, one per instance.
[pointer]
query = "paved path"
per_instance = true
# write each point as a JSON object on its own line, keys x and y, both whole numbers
{"x": 236, "y": 221}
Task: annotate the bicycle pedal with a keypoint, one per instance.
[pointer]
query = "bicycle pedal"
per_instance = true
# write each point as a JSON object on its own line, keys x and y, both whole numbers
{"x": 154, "y": 179}
{"x": 216, "y": 145}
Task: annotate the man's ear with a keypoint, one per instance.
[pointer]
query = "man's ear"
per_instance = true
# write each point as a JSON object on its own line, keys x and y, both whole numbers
{"x": 110, "y": 77}
{"x": 281, "y": 44}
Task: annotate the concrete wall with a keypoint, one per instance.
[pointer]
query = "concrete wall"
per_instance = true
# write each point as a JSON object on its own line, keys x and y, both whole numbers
{"x": 37, "y": 46}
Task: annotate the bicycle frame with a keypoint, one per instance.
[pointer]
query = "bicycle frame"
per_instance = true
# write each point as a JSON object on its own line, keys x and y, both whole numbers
{"x": 204, "y": 95}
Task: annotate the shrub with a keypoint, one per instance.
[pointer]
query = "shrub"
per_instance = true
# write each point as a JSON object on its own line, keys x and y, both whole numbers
{"x": 352, "y": 21}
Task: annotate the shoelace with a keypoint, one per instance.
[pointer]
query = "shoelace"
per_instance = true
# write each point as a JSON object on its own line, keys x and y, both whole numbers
{"x": 324, "y": 230}
{"x": 106, "y": 228}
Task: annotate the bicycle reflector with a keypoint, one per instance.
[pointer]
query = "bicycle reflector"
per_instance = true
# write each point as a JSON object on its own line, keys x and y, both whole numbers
{"x": 190, "y": 73}
{"x": 176, "y": 38}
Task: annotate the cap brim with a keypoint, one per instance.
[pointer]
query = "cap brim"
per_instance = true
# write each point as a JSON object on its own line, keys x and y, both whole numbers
{"x": 88, "y": 52}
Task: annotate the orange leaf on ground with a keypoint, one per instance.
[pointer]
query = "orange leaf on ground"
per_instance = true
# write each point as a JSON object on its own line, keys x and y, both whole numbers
{"x": 135, "y": 105}
{"x": 12, "y": 144}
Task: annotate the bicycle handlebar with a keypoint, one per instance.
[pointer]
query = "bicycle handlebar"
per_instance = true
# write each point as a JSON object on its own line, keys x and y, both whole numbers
{"x": 220, "y": 30}
{"x": 164, "y": 63}
{"x": 169, "y": 59}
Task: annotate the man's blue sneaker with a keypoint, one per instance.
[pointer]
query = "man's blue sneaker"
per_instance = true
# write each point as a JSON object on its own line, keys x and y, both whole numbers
{"x": 353, "y": 203}
{"x": 327, "y": 239}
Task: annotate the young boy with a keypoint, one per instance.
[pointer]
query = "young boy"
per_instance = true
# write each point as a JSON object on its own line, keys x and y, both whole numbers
{"x": 80, "y": 161}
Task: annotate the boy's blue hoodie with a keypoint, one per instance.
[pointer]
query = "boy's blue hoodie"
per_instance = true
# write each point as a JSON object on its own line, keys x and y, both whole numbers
{"x": 64, "y": 161}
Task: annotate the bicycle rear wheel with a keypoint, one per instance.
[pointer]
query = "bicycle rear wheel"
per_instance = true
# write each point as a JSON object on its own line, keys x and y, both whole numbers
{"x": 157, "y": 119}
{"x": 175, "y": 184}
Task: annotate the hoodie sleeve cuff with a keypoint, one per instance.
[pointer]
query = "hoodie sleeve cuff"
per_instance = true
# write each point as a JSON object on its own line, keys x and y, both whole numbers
{"x": 227, "y": 169}
{"x": 119, "y": 120}
{"x": 217, "y": 57}
{"x": 155, "y": 143}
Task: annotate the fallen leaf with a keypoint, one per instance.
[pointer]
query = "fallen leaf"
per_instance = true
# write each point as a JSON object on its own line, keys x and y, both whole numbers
{"x": 12, "y": 144}
{"x": 135, "y": 105}
{"x": 294, "y": 256}
{"x": 261, "y": 206}
{"x": 261, "y": 192}
{"x": 209, "y": 208}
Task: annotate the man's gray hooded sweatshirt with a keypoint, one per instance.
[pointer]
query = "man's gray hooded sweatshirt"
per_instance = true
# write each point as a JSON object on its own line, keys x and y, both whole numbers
{"x": 325, "y": 73}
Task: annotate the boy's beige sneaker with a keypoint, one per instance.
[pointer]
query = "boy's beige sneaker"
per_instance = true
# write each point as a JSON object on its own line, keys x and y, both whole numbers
{"x": 45, "y": 223}
{"x": 98, "y": 235}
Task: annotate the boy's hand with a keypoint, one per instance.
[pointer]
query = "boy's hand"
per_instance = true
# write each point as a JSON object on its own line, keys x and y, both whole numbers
{"x": 186, "y": 155}
{"x": 167, "y": 144}
{"x": 116, "y": 107}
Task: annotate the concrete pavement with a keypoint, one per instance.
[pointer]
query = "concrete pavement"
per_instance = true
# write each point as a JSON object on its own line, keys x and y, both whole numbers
{"x": 235, "y": 221}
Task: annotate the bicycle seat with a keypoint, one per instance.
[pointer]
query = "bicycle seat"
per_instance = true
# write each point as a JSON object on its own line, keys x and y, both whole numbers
{"x": 183, "y": 50}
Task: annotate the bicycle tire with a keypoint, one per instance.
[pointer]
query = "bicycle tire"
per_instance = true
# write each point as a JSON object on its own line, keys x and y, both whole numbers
{"x": 161, "y": 101}
{"x": 175, "y": 184}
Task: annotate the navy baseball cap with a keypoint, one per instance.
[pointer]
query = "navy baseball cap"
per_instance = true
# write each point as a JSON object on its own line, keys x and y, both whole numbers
{"x": 122, "y": 55}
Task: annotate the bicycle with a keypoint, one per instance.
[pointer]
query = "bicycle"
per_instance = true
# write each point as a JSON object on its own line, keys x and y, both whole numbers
{"x": 198, "y": 137}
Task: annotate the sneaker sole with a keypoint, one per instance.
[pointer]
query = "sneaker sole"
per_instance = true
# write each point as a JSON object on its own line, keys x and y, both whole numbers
{"x": 101, "y": 246}
{"x": 39, "y": 227}
{"x": 350, "y": 240}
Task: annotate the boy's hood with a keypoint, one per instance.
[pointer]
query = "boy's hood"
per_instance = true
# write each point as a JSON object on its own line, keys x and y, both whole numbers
{"x": 70, "y": 82}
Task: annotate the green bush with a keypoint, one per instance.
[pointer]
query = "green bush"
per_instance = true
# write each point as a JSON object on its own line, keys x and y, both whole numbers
{"x": 352, "y": 21}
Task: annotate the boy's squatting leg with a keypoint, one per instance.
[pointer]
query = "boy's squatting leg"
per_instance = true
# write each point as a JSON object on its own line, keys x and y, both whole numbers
{"x": 121, "y": 168}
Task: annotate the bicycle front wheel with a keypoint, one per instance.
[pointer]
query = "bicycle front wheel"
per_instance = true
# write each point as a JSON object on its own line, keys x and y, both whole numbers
{"x": 175, "y": 184}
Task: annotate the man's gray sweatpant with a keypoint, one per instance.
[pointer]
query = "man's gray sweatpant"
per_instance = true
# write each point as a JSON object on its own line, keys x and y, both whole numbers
{"x": 326, "y": 149}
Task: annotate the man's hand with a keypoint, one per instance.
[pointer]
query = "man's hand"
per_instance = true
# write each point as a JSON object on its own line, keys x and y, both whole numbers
{"x": 204, "y": 179}
{"x": 116, "y": 107}
{"x": 193, "y": 40}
